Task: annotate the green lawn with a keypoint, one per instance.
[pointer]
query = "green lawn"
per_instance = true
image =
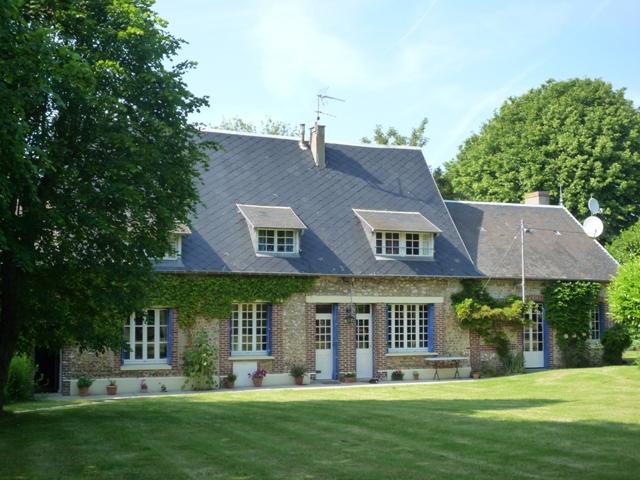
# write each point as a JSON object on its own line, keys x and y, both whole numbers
{"x": 556, "y": 424}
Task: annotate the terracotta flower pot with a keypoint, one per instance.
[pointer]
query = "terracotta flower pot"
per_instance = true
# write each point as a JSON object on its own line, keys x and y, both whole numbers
{"x": 257, "y": 381}
{"x": 349, "y": 379}
{"x": 228, "y": 384}
{"x": 112, "y": 389}
{"x": 475, "y": 375}
{"x": 83, "y": 391}
{"x": 299, "y": 380}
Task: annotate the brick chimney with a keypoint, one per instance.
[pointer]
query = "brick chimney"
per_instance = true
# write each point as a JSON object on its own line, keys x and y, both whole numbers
{"x": 317, "y": 145}
{"x": 536, "y": 198}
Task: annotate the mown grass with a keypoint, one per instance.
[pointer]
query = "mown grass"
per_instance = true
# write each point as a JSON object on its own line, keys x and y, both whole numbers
{"x": 555, "y": 424}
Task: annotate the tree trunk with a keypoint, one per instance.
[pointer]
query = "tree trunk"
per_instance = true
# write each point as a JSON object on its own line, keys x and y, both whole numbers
{"x": 11, "y": 278}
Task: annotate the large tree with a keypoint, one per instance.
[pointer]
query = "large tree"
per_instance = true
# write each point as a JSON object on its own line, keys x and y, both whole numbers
{"x": 580, "y": 134}
{"x": 392, "y": 136}
{"x": 624, "y": 296}
{"x": 97, "y": 164}
{"x": 626, "y": 246}
{"x": 268, "y": 126}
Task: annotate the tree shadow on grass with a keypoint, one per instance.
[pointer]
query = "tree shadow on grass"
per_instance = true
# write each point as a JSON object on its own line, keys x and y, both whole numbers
{"x": 243, "y": 438}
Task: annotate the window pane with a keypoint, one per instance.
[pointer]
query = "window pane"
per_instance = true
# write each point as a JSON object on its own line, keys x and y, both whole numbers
{"x": 150, "y": 351}
{"x": 163, "y": 350}
{"x": 412, "y": 244}
{"x": 138, "y": 351}
{"x": 266, "y": 240}
{"x": 379, "y": 243}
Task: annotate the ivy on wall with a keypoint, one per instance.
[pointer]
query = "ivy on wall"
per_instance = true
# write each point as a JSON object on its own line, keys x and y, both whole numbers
{"x": 479, "y": 312}
{"x": 212, "y": 296}
{"x": 569, "y": 306}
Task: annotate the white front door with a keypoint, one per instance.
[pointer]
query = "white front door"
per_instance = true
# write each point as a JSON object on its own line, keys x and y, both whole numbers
{"x": 324, "y": 351}
{"x": 534, "y": 339}
{"x": 364, "y": 352}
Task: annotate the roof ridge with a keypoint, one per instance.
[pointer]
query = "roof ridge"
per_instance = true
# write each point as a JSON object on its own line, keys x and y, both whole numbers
{"x": 507, "y": 204}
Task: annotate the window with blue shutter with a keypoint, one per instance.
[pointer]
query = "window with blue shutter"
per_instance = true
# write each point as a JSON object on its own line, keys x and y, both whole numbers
{"x": 431, "y": 327}
{"x": 335, "y": 333}
{"x": 269, "y": 314}
{"x": 170, "y": 336}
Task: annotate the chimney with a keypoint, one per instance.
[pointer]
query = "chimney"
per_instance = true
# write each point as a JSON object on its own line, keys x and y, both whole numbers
{"x": 317, "y": 145}
{"x": 303, "y": 143}
{"x": 536, "y": 198}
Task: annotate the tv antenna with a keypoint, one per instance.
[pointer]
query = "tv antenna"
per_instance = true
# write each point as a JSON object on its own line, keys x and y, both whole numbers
{"x": 321, "y": 100}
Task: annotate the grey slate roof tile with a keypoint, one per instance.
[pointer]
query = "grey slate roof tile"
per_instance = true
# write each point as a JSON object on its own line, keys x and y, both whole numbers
{"x": 276, "y": 171}
{"x": 556, "y": 247}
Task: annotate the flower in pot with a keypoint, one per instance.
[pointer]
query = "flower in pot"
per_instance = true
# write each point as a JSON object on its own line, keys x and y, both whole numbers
{"x": 297, "y": 372}
{"x": 230, "y": 380}
{"x": 397, "y": 375}
{"x": 112, "y": 388}
{"x": 416, "y": 375}
{"x": 84, "y": 383}
{"x": 258, "y": 376}
{"x": 349, "y": 377}
{"x": 143, "y": 385}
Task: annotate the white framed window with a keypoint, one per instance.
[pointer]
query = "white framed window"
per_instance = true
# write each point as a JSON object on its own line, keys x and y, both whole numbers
{"x": 146, "y": 334}
{"x": 249, "y": 324}
{"x": 404, "y": 244}
{"x": 408, "y": 328}
{"x": 175, "y": 250}
{"x": 277, "y": 242}
{"x": 594, "y": 324}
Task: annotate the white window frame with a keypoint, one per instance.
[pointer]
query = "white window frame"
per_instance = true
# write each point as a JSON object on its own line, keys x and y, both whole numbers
{"x": 131, "y": 342}
{"x": 258, "y": 347}
{"x": 426, "y": 242}
{"x": 176, "y": 248}
{"x": 594, "y": 324}
{"x": 403, "y": 311}
{"x": 278, "y": 233}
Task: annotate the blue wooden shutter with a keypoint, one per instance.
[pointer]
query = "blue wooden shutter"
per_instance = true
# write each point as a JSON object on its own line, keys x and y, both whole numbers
{"x": 335, "y": 333}
{"x": 389, "y": 327}
{"x": 545, "y": 337}
{"x": 269, "y": 310}
{"x": 170, "y": 336}
{"x": 601, "y": 319}
{"x": 431, "y": 339}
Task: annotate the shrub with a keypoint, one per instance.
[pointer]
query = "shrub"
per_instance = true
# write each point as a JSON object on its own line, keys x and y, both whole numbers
{"x": 84, "y": 382}
{"x": 513, "y": 363}
{"x": 232, "y": 377}
{"x": 615, "y": 341}
{"x": 297, "y": 371}
{"x": 624, "y": 295}
{"x": 21, "y": 381}
{"x": 200, "y": 363}
{"x": 397, "y": 375}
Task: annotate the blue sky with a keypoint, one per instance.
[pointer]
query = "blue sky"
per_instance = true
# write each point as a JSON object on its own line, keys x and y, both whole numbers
{"x": 395, "y": 62}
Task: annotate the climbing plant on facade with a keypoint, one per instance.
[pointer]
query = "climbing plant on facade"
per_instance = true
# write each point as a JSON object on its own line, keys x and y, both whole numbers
{"x": 569, "y": 307}
{"x": 479, "y": 312}
{"x": 212, "y": 296}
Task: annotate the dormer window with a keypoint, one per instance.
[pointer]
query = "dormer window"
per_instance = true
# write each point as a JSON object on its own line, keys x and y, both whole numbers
{"x": 398, "y": 234}
{"x": 175, "y": 249}
{"x": 402, "y": 244}
{"x": 274, "y": 231}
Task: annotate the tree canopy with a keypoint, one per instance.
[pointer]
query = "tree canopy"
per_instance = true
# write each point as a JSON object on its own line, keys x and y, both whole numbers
{"x": 624, "y": 296}
{"x": 391, "y": 136}
{"x": 268, "y": 126}
{"x": 626, "y": 246}
{"x": 98, "y": 161}
{"x": 580, "y": 134}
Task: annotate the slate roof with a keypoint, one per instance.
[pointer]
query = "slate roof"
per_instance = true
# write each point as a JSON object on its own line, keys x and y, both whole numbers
{"x": 271, "y": 217}
{"x": 379, "y": 220}
{"x": 260, "y": 170}
{"x": 556, "y": 247}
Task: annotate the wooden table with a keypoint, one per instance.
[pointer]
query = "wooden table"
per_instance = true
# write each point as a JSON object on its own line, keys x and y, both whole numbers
{"x": 438, "y": 360}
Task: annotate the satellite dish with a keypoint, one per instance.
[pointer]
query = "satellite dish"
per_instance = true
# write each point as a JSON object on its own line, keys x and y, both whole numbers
{"x": 594, "y": 206}
{"x": 593, "y": 227}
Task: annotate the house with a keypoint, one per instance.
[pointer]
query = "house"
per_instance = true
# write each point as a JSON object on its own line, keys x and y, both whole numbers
{"x": 368, "y": 223}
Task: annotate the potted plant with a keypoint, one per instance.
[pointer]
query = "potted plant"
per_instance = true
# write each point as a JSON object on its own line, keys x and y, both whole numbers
{"x": 112, "y": 388}
{"x": 397, "y": 375}
{"x": 258, "y": 376}
{"x": 143, "y": 385}
{"x": 416, "y": 375}
{"x": 297, "y": 372}
{"x": 84, "y": 383}
{"x": 475, "y": 374}
{"x": 230, "y": 380}
{"x": 349, "y": 377}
